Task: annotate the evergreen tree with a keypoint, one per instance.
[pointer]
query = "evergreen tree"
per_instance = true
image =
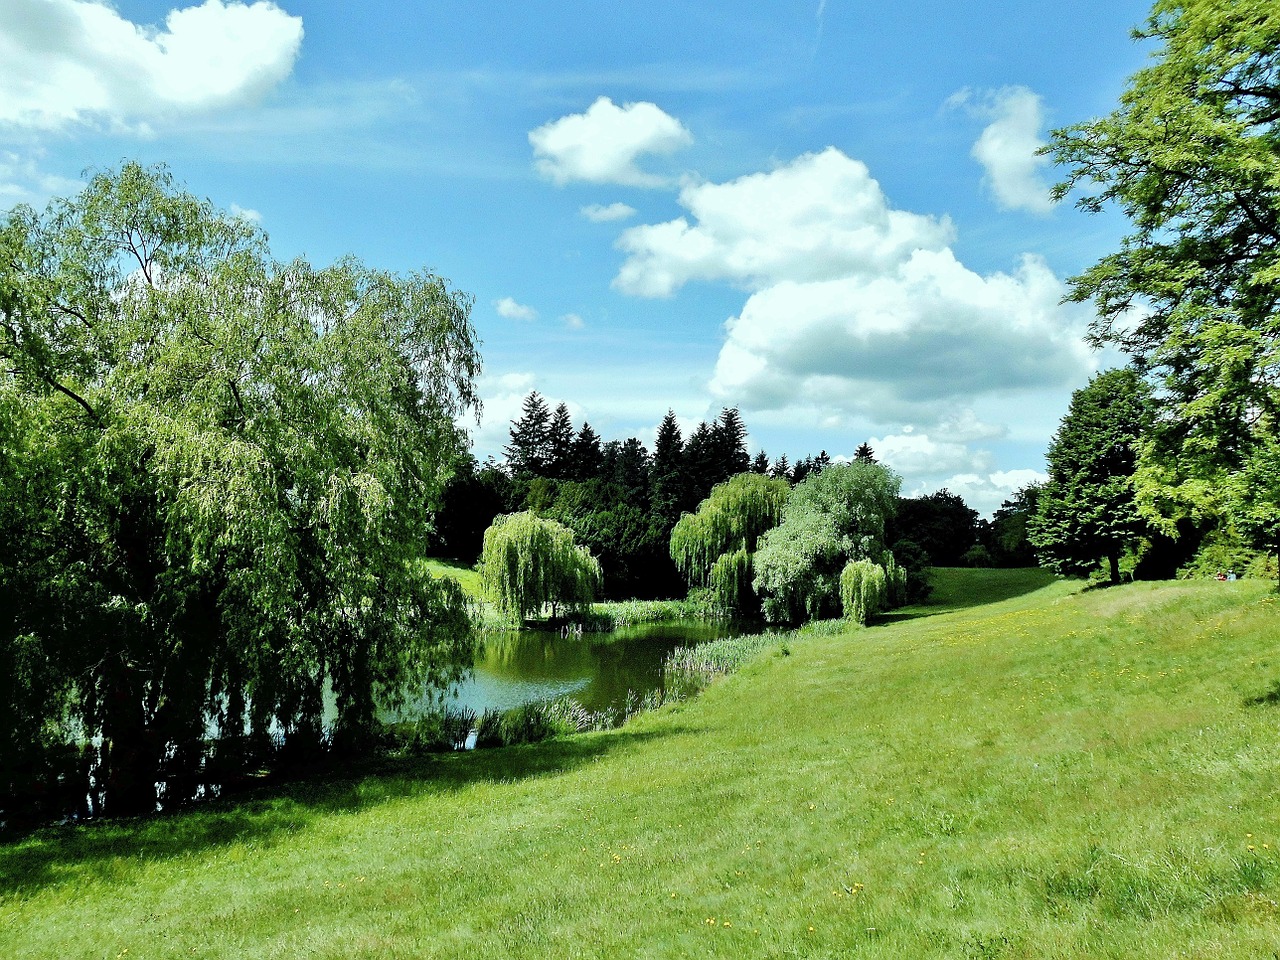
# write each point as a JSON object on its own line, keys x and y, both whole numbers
{"x": 529, "y": 451}
{"x": 1087, "y": 512}
{"x": 701, "y": 466}
{"x": 730, "y": 435}
{"x": 865, "y": 453}
{"x": 761, "y": 463}
{"x": 560, "y": 444}
{"x": 666, "y": 472}
{"x": 781, "y": 469}
{"x": 585, "y": 455}
{"x": 631, "y": 472}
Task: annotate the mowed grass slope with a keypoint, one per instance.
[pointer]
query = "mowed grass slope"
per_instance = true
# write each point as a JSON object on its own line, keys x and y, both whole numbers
{"x": 1049, "y": 774}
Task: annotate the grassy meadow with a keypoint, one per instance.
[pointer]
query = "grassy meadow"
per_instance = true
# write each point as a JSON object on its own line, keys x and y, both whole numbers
{"x": 1019, "y": 769}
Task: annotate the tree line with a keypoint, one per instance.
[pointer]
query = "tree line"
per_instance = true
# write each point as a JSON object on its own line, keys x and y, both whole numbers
{"x": 622, "y": 501}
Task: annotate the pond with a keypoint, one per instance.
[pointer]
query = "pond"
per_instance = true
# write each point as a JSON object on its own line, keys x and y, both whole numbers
{"x": 596, "y": 669}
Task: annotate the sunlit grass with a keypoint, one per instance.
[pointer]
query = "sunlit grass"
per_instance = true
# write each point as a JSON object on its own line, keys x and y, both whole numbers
{"x": 1058, "y": 774}
{"x": 468, "y": 577}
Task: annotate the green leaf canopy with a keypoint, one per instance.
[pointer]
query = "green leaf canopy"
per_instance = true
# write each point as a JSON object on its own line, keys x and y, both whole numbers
{"x": 215, "y": 469}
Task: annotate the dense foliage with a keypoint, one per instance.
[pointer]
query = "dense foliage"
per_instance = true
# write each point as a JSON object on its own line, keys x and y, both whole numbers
{"x": 940, "y": 523}
{"x": 529, "y": 563}
{"x": 834, "y": 516}
{"x": 1086, "y": 512}
{"x": 713, "y": 547}
{"x": 1192, "y": 157}
{"x": 215, "y": 469}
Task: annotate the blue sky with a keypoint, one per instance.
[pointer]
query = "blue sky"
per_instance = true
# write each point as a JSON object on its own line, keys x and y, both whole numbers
{"x": 828, "y": 214}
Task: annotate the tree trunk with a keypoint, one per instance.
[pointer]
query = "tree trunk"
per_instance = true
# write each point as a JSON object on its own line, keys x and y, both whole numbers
{"x": 129, "y": 757}
{"x": 1115, "y": 567}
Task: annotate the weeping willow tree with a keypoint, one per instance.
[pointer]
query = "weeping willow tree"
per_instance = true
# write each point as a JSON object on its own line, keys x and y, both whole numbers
{"x": 832, "y": 517}
{"x": 215, "y": 471}
{"x": 528, "y": 562}
{"x": 864, "y": 590}
{"x": 713, "y": 547}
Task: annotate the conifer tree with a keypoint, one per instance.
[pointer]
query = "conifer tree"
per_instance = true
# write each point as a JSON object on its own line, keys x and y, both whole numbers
{"x": 665, "y": 474}
{"x": 530, "y": 448}
{"x": 1087, "y": 513}
{"x": 585, "y": 454}
{"x": 560, "y": 444}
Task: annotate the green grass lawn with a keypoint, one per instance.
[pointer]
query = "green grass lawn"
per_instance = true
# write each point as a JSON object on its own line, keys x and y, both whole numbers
{"x": 1030, "y": 771}
{"x": 468, "y": 577}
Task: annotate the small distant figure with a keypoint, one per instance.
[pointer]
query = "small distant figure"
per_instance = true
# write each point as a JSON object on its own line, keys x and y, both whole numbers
{"x": 1220, "y": 576}
{"x": 1231, "y": 574}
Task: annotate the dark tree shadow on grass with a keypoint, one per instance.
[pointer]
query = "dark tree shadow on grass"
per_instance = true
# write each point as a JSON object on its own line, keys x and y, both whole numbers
{"x": 962, "y": 588}
{"x": 110, "y": 850}
{"x": 1270, "y": 698}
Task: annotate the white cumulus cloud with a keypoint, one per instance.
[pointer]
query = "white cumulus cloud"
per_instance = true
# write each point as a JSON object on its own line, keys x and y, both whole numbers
{"x": 599, "y": 213}
{"x": 510, "y": 309}
{"x": 69, "y": 61}
{"x": 1007, "y": 147}
{"x": 246, "y": 213}
{"x": 920, "y": 455}
{"x": 898, "y": 344}
{"x": 984, "y": 491}
{"x": 604, "y": 144}
{"x": 820, "y": 217}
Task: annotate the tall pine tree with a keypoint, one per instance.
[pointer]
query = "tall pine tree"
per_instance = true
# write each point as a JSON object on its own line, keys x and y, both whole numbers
{"x": 530, "y": 448}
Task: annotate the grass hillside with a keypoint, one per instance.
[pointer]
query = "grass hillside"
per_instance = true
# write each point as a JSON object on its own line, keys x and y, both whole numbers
{"x": 1047, "y": 773}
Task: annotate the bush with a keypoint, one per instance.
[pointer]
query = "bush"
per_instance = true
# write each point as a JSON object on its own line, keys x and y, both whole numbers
{"x": 863, "y": 590}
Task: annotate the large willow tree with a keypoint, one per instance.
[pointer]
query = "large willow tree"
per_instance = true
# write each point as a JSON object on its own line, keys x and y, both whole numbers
{"x": 215, "y": 469}
{"x": 714, "y": 546}
{"x": 833, "y": 517}
{"x": 529, "y": 562}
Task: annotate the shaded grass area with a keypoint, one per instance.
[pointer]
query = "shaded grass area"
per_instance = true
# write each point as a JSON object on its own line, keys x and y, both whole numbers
{"x": 959, "y": 588}
{"x": 1057, "y": 774}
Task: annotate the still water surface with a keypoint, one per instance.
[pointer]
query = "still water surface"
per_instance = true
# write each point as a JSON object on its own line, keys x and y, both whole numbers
{"x": 597, "y": 669}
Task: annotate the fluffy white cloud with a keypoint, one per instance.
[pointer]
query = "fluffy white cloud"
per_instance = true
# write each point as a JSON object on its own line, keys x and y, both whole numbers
{"x": 919, "y": 455}
{"x": 509, "y": 309}
{"x": 598, "y": 213}
{"x": 603, "y": 144}
{"x": 501, "y": 397}
{"x": 67, "y": 61}
{"x": 1008, "y": 145}
{"x": 573, "y": 321}
{"x": 894, "y": 346}
{"x": 246, "y": 213}
{"x": 820, "y": 217}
